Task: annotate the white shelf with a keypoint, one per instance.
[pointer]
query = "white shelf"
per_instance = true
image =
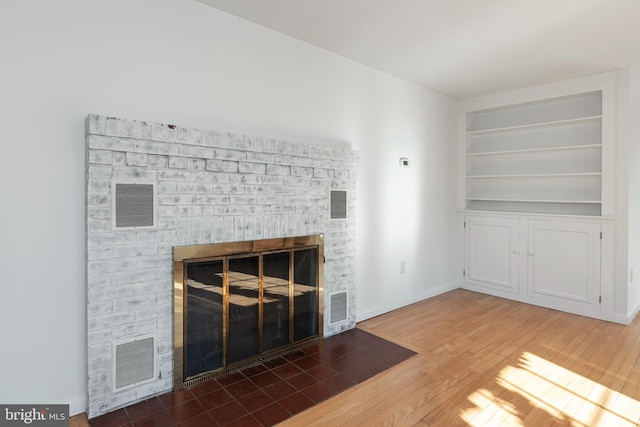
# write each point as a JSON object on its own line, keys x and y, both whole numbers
{"x": 541, "y": 113}
{"x": 529, "y": 214}
{"x": 485, "y": 199}
{"x": 536, "y": 157}
{"x": 535, "y": 125}
{"x": 536, "y": 150}
{"x": 537, "y": 175}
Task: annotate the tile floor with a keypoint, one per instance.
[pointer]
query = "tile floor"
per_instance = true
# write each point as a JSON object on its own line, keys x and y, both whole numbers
{"x": 268, "y": 393}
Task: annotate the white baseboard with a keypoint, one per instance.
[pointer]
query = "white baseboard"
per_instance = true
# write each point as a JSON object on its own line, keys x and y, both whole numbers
{"x": 606, "y": 316}
{"x": 77, "y": 405}
{"x": 396, "y": 304}
{"x": 635, "y": 313}
{"x": 629, "y": 318}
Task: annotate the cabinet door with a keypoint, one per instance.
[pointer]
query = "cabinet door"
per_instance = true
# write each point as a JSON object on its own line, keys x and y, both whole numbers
{"x": 564, "y": 263}
{"x": 492, "y": 253}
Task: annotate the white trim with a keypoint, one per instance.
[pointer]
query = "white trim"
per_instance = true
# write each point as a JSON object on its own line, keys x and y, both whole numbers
{"x": 630, "y": 317}
{"x": 600, "y": 315}
{"x": 394, "y": 305}
{"x": 77, "y": 405}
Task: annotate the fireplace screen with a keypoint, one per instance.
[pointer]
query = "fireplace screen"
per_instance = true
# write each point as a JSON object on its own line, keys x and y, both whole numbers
{"x": 235, "y": 303}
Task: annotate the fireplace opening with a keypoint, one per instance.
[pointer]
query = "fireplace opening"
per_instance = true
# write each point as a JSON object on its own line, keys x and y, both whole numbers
{"x": 236, "y": 303}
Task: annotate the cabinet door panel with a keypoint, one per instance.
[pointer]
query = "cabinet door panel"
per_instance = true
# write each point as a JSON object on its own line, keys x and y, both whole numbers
{"x": 492, "y": 253}
{"x": 564, "y": 262}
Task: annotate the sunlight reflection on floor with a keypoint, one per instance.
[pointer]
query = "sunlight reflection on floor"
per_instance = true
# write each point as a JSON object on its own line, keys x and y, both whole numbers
{"x": 559, "y": 392}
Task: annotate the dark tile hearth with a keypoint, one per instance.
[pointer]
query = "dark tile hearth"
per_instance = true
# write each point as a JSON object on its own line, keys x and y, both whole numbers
{"x": 271, "y": 392}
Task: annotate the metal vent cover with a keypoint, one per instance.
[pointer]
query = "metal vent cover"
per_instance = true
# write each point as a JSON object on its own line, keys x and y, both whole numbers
{"x": 338, "y": 307}
{"x": 338, "y": 204}
{"x": 134, "y": 362}
{"x": 134, "y": 205}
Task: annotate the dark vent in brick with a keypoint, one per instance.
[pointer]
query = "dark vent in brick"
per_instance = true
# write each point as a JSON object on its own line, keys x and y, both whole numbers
{"x": 338, "y": 307}
{"x": 134, "y": 362}
{"x": 134, "y": 205}
{"x": 338, "y": 204}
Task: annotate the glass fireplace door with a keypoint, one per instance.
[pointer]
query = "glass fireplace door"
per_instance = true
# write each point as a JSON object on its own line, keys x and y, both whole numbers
{"x": 244, "y": 318}
{"x": 305, "y": 294}
{"x": 237, "y": 302}
{"x": 204, "y": 317}
{"x": 275, "y": 300}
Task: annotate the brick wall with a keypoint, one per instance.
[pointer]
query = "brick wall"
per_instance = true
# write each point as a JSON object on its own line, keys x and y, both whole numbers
{"x": 211, "y": 187}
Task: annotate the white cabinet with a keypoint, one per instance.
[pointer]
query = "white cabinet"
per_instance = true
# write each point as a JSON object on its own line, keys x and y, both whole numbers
{"x": 540, "y": 157}
{"x": 544, "y": 172}
{"x": 563, "y": 262}
{"x": 546, "y": 262}
{"x": 492, "y": 253}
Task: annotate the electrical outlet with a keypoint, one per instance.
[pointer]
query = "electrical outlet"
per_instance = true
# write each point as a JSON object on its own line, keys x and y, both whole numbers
{"x": 403, "y": 267}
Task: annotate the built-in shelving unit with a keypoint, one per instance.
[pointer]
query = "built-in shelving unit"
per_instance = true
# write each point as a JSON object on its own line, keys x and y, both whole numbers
{"x": 540, "y": 157}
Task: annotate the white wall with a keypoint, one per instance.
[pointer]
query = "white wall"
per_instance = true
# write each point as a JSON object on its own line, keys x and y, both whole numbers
{"x": 407, "y": 215}
{"x": 633, "y": 162}
{"x": 177, "y": 61}
{"x": 627, "y": 181}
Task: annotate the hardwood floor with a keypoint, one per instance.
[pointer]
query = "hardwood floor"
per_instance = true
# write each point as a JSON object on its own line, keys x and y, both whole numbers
{"x": 78, "y": 421}
{"x": 486, "y": 361}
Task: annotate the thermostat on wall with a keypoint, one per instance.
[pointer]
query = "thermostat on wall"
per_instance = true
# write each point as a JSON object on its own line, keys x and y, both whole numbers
{"x": 404, "y": 162}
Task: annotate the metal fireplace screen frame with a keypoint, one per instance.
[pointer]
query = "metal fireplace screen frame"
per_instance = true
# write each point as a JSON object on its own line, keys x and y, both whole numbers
{"x": 224, "y": 252}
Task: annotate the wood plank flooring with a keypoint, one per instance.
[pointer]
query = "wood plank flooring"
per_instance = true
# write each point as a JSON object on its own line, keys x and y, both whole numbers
{"x": 486, "y": 361}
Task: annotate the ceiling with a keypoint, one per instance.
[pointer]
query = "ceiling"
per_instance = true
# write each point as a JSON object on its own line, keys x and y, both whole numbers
{"x": 462, "y": 48}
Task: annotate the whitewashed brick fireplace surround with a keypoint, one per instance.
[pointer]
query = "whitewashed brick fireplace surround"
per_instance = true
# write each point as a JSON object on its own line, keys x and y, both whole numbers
{"x": 211, "y": 187}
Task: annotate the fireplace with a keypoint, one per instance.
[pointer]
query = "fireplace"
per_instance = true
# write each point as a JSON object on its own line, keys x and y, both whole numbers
{"x": 153, "y": 187}
{"x": 237, "y": 303}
